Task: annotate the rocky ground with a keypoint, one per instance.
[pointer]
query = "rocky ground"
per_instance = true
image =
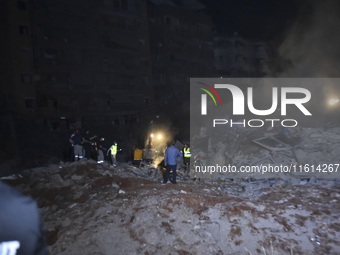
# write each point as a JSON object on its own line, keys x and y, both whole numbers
{"x": 97, "y": 209}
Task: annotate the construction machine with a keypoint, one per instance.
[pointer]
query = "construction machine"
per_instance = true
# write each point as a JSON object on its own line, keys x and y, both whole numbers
{"x": 154, "y": 150}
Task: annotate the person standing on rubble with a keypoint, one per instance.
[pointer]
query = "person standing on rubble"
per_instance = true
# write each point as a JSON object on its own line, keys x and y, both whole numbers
{"x": 94, "y": 153}
{"x": 186, "y": 156}
{"x": 88, "y": 144}
{"x": 113, "y": 149}
{"x": 77, "y": 140}
{"x": 172, "y": 154}
{"x": 21, "y": 225}
{"x": 71, "y": 150}
{"x": 100, "y": 150}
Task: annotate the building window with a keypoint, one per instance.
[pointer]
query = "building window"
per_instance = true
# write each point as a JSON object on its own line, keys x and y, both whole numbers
{"x": 29, "y": 103}
{"x": 49, "y": 54}
{"x": 144, "y": 62}
{"x": 53, "y": 78}
{"x": 260, "y": 61}
{"x": 23, "y": 29}
{"x": 259, "y": 48}
{"x": 239, "y": 45}
{"x": 168, "y": 20}
{"x": 138, "y": 23}
{"x": 116, "y": 3}
{"x": 55, "y": 104}
{"x": 121, "y": 4}
{"x": 141, "y": 42}
{"x": 26, "y": 54}
{"x": 172, "y": 58}
{"x": 146, "y": 101}
{"x": 125, "y": 5}
{"x": 240, "y": 59}
{"x": 22, "y": 5}
{"x": 26, "y": 78}
{"x": 137, "y": 6}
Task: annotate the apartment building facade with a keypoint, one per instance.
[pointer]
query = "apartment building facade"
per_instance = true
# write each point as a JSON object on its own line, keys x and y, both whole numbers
{"x": 239, "y": 57}
{"x": 93, "y": 60}
{"x": 181, "y": 36}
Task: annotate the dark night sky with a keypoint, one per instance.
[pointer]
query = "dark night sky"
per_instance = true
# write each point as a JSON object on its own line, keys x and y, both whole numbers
{"x": 253, "y": 19}
{"x": 305, "y": 32}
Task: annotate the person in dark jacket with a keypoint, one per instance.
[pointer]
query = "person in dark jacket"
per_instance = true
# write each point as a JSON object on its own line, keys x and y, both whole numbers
{"x": 77, "y": 140}
{"x": 172, "y": 154}
{"x": 88, "y": 145}
{"x": 21, "y": 226}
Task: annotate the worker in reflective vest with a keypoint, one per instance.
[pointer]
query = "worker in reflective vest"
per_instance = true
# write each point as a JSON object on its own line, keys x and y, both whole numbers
{"x": 113, "y": 150}
{"x": 186, "y": 156}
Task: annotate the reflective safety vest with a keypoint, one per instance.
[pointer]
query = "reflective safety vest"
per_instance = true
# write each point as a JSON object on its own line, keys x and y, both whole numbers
{"x": 187, "y": 153}
{"x": 113, "y": 149}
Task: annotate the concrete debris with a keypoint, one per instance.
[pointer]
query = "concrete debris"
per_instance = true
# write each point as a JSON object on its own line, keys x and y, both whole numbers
{"x": 129, "y": 212}
{"x": 252, "y": 147}
{"x": 115, "y": 185}
{"x": 271, "y": 143}
{"x": 57, "y": 181}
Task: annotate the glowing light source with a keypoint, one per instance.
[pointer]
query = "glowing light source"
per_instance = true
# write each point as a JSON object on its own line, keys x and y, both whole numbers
{"x": 151, "y": 135}
{"x": 333, "y": 101}
{"x": 159, "y": 136}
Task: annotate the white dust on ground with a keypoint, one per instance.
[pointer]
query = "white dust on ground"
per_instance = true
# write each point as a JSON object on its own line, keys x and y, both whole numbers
{"x": 96, "y": 209}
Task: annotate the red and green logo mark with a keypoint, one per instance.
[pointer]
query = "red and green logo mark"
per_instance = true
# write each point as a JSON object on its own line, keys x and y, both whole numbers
{"x": 209, "y": 93}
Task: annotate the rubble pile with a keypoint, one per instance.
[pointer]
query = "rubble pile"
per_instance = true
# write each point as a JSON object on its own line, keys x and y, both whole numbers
{"x": 318, "y": 145}
{"x": 92, "y": 208}
{"x": 251, "y": 147}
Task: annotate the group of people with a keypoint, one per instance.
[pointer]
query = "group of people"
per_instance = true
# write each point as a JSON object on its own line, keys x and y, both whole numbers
{"x": 91, "y": 147}
{"x": 21, "y": 225}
